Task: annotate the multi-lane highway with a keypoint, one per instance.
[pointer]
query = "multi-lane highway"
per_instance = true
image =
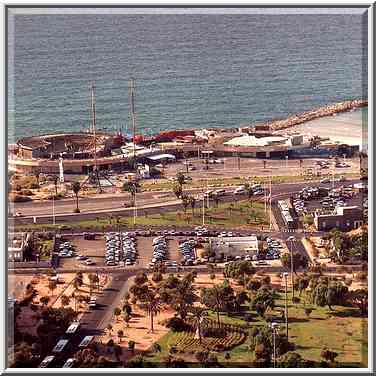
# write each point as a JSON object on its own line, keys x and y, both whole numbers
{"x": 147, "y": 203}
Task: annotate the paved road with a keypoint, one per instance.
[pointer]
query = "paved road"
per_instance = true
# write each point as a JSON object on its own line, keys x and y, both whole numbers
{"x": 95, "y": 320}
{"x": 148, "y": 203}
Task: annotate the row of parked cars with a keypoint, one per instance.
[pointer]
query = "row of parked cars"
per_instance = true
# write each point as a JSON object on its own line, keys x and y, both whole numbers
{"x": 299, "y": 205}
{"x": 120, "y": 247}
{"x": 187, "y": 249}
{"x": 273, "y": 250}
{"x": 66, "y": 249}
{"x": 160, "y": 250}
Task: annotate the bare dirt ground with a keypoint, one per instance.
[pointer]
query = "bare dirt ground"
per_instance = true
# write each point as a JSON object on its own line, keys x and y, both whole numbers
{"x": 27, "y": 320}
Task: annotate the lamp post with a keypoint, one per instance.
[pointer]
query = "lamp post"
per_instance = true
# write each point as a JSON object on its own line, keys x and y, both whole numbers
{"x": 291, "y": 239}
{"x": 53, "y": 210}
{"x": 285, "y": 275}
{"x": 203, "y": 209}
{"x": 134, "y": 211}
{"x": 274, "y": 326}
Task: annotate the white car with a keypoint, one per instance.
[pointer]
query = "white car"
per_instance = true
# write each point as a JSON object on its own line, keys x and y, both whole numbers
{"x": 89, "y": 262}
{"x": 239, "y": 190}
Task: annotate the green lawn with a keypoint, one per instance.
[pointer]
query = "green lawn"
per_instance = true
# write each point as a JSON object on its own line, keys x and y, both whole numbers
{"x": 242, "y": 213}
{"x": 340, "y": 330}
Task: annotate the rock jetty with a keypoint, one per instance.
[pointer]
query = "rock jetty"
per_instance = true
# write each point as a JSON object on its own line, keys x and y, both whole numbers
{"x": 328, "y": 110}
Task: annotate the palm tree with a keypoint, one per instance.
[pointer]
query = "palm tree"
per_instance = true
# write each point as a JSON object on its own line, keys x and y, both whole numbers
{"x": 120, "y": 334}
{"x": 37, "y": 173}
{"x": 52, "y": 286}
{"x": 177, "y": 189}
{"x": 192, "y": 202}
{"x": 180, "y": 178}
{"x": 127, "y": 318}
{"x": 44, "y": 300}
{"x": 117, "y": 313}
{"x": 76, "y": 187}
{"x": 65, "y": 300}
{"x": 198, "y": 314}
{"x": 248, "y": 189}
{"x": 78, "y": 280}
{"x": 92, "y": 281}
{"x": 131, "y": 187}
{"x": 185, "y": 202}
{"x": 152, "y": 305}
{"x": 54, "y": 179}
{"x": 74, "y": 296}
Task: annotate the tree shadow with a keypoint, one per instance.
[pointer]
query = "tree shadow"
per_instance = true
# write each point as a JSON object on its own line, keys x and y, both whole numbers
{"x": 348, "y": 313}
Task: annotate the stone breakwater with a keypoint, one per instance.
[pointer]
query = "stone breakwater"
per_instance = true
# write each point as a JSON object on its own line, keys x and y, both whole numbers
{"x": 328, "y": 110}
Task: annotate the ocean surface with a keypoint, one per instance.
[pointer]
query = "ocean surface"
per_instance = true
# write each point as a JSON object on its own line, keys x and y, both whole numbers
{"x": 191, "y": 71}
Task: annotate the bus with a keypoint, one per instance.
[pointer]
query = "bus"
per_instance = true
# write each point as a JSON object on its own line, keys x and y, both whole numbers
{"x": 47, "y": 361}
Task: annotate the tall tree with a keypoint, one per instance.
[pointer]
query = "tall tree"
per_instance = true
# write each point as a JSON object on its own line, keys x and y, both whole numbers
{"x": 185, "y": 202}
{"x": 180, "y": 178}
{"x": 198, "y": 314}
{"x": 76, "y": 187}
{"x": 65, "y": 300}
{"x": 299, "y": 261}
{"x": 131, "y": 187}
{"x": 263, "y": 300}
{"x": 192, "y": 203}
{"x": 248, "y": 190}
{"x": 152, "y": 305}
{"x": 177, "y": 189}
{"x": 55, "y": 180}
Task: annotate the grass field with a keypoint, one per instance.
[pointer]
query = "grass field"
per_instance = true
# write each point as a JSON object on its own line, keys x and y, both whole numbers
{"x": 243, "y": 213}
{"x": 340, "y": 330}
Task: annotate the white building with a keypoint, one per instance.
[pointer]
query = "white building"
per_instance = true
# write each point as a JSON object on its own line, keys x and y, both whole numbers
{"x": 235, "y": 246}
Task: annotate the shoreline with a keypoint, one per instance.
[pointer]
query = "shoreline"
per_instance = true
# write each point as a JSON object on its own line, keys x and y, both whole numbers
{"x": 328, "y": 110}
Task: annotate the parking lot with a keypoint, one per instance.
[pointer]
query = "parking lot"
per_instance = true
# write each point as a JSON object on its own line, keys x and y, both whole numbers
{"x": 327, "y": 202}
{"x": 92, "y": 249}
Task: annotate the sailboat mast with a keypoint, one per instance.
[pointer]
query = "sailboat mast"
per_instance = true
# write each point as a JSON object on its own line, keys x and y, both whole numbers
{"x": 94, "y": 125}
{"x": 133, "y": 117}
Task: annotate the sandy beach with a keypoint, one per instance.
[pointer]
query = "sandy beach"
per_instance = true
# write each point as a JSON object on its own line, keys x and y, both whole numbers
{"x": 348, "y": 127}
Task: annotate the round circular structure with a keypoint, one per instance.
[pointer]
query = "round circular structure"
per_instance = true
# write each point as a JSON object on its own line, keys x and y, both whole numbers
{"x": 72, "y": 145}
{"x": 80, "y": 152}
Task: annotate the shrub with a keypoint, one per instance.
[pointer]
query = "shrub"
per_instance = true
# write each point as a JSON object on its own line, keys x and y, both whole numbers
{"x": 248, "y": 317}
{"x": 176, "y": 324}
{"x": 19, "y": 198}
{"x": 131, "y": 345}
{"x": 156, "y": 347}
{"x": 157, "y": 277}
{"x": 172, "y": 349}
{"x": 201, "y": 356}
{"x": 308, "y": 311}
{"x": 361, "y": 276}
{"x": 27, "y": 192}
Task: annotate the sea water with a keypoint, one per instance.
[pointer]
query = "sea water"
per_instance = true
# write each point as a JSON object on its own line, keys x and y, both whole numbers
{"x": 191, "y": 71}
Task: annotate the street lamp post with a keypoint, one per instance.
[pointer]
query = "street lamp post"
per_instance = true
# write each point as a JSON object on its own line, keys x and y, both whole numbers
{"x": 203, "y": 209}
{"x": 53, "y": 210}
{"x": 134, "y": 211}
{"x": 285, "y": 275}
{"x": 270, "y": 203}
{"x": 274, "y": 329}
{"x": 291, "y": 239}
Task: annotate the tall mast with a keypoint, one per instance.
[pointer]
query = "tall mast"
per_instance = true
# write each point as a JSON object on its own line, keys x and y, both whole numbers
{"x": 93, "y": 124}
{"x": 133, "y": 116}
